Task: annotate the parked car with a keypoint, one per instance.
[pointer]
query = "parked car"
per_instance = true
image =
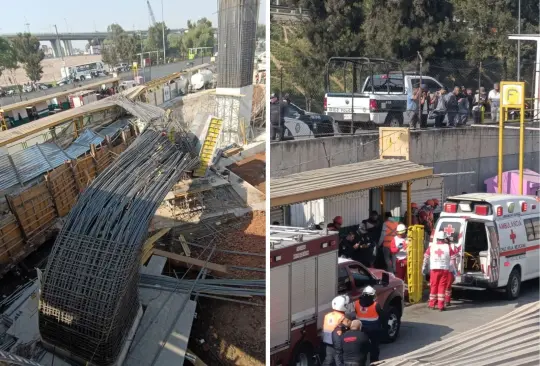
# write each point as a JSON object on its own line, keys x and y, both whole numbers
{"x": 64, "y": 81}
{"x": 353, "y": 277}
{"x": 300, "y": 123}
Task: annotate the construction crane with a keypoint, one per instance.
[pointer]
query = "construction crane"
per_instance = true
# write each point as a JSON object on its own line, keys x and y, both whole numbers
{"x": 152, "y": 17}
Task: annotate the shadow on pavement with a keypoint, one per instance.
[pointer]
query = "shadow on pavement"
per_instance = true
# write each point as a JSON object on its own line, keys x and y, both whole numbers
{"x": 412, "y": 336}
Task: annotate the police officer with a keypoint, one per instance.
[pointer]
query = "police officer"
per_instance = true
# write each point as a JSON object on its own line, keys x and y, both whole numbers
{"x": 373, "y": 319}
{"x": 331, "y": 321}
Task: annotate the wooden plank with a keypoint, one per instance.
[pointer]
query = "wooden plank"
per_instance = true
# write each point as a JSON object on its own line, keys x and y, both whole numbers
{"x": 192, "y": 261}
{"x": 149, "y": 244}
{"x": 232, "y": 151}
{"x": 185, "y": 245}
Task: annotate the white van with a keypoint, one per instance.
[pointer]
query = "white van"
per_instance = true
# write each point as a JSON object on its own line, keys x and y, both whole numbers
{"x": 498, "y": 236}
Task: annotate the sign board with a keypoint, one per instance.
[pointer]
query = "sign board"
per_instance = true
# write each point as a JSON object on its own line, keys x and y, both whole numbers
{"x": 394, "y": 143}
{"x": 166, "y": 93}
{"x": 512, "y": 94}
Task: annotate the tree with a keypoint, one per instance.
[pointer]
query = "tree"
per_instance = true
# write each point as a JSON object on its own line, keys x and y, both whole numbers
{"x": 199, "y": 34}
{"x": 155, "y": 37}
{"x": 176, "y": 44}
{"x": 261, "y": 31}
{"x": 8, "y": 56}
{"x": 119, "y": 45}
{"x": 30, "y": 54}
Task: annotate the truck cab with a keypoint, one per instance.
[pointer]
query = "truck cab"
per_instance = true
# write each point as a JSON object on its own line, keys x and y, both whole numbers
{"x": 380, "y": 100}
{"x": 497, "y": 237}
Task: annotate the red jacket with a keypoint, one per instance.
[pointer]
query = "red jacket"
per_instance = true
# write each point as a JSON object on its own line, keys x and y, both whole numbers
{"x": 394, "y": 245}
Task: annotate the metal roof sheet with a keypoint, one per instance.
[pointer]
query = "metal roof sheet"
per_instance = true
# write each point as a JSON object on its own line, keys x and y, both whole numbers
{"x": 8, "y": 177}
{"x": 112, "y": 129}
{"x": 30, "y": 163}
{"x": 510, "y": 340}
{"x": 82, "y": 144}
{"x": 320, "y": 183}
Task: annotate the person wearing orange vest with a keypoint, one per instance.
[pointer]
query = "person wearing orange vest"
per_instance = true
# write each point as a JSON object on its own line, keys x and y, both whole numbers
{"x": 387, "y": 234}
{"x": 441, "y": 257}
{"x": 373, "y": 319}
{"x": 331, "y": 321}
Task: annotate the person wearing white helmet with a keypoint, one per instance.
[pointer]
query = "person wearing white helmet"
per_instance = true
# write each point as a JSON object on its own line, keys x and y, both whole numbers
{"x": 441, "y": 257}
{"x": 332, "y": 320}
{"x": 398, "y": 243}
{"x": 373, "y": 319}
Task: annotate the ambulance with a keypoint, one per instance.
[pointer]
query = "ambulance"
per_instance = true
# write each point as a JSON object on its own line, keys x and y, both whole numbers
{"x": 498, "y": 239}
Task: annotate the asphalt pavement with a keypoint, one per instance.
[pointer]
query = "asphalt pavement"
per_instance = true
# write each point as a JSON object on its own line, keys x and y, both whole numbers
{"x": 421, "y": 326}
{"x": 149, "y": 73}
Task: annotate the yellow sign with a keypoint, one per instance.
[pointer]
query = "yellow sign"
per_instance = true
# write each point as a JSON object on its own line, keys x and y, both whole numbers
{"x": 512, "y": 94}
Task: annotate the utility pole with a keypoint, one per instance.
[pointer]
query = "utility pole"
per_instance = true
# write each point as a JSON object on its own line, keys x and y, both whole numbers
{"x": 519, "y": 43}
{"x": 163, "y": 30}
{"x": 419, "y": 94}
{"x": 58, "y": 45}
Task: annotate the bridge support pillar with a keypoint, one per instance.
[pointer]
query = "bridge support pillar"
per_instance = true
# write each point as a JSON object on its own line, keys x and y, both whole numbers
{"x": 68, "y": 47}
{"x": 57, "y": 48}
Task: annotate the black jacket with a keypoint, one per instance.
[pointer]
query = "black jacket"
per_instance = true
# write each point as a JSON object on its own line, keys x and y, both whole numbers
{"x": 346, "y": 248}
{"x": 355, "y": 346}
{"x": 337, "y": 340}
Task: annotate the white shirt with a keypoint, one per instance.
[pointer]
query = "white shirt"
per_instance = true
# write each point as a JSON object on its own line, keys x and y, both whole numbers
{"x": 494, "y": 95}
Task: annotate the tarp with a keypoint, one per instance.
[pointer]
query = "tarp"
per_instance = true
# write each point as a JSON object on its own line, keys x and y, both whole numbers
{"x": 531, "y": 182}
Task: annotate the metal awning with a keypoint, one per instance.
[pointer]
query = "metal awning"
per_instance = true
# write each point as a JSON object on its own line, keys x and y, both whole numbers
{"x": 321, "y": 183}
{"x": 510, "y": 340}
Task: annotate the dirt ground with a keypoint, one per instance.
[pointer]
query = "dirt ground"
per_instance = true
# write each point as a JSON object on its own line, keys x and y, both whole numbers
{"x": 252, "y": 170}
{"x": 234, "y": 334}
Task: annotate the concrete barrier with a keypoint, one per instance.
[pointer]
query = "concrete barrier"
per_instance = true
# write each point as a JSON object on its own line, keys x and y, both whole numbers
{"x": 463, "y": 150}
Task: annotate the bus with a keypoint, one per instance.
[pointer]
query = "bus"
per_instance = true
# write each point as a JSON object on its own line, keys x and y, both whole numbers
{"x": 84, "y": 71}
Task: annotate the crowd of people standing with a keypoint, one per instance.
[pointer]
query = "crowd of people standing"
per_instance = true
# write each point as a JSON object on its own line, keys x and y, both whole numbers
{"x": 456, "y": 107}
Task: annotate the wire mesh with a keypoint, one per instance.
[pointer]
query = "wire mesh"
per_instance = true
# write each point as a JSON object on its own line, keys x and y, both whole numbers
{"x": 89, "y": 296}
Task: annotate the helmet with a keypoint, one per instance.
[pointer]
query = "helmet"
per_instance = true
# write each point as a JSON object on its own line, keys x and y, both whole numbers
{"x": 401, "y": 229}
{"x": 338, "y": 220}
{"x": 441, "y": 235}
{"x": 414, "y": 205}
{"x": 339, "y": 303}
{"x": 430, "y": 203}
{"x": 369, "y": 291}
{"x": 435, "y": 202}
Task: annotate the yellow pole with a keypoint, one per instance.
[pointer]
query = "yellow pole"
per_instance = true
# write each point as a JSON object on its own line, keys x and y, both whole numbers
{"x": 409, "y": 213}
{"x": 382, "y": 203}
{"x": 521, "y": 146}
{"x": 501, "y": 139}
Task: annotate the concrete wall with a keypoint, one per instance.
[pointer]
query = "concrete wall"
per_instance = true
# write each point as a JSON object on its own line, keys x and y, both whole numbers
{"x": 472, "y": 149}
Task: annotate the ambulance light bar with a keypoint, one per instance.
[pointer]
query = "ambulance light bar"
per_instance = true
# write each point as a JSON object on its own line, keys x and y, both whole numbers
{"x": 450, "y": 207}
{"x": 481, "y": 210}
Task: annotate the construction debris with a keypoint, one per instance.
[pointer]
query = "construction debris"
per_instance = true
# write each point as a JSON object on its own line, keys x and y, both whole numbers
{"x": 89, "y": 296}
{"x": 192, "y": 261}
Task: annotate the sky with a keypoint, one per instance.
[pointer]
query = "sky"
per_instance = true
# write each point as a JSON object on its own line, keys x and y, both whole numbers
{"x": 75, "y": 15}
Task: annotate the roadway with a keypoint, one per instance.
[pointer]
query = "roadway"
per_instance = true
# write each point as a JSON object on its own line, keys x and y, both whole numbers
{"x": 151, "y": 73}
{"x": 421, "y": 326}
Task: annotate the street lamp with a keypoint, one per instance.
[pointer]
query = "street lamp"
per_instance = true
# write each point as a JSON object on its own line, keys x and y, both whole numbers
{"x": 163, "y": 30}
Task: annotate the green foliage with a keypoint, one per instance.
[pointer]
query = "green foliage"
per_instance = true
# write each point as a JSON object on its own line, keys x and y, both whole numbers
{"x": 29, "y": 53}
{"x": 155, "y": 37}
{"x": 199, "y": 34}
{"x": 176, "y": 45}
{"x": 8, "y": 56}
{"x": 119, "y": 46}
{"x": 261, "y": 31}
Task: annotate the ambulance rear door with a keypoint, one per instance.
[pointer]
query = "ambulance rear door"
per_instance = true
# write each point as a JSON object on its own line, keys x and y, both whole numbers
{"x": 493, "y": 261}
{"x": 455, "y": 228}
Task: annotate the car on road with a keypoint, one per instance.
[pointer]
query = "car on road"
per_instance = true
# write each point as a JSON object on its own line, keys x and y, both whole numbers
{"x": 189, "y": 64}
{"x": 353, "y": 277}
{"x": 64, "y": 81}
{"x": 300, "y": 123}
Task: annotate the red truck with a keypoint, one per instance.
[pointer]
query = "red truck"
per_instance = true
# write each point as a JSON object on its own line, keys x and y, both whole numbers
{"x": 305, "y": 275}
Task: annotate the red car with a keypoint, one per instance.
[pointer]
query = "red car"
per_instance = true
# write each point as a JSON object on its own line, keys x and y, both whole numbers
{"x": 353, "y": 277}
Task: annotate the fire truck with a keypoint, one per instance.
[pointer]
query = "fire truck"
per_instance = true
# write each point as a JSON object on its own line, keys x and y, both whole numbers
{"x": 305, "y": 275}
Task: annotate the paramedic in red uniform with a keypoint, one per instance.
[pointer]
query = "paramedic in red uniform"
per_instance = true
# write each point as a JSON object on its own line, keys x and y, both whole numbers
{"x": 440, "y": 257}
{"x": 452, "y": 273}
{"x": 398, "y": 242}
{"x": 373, "y": 319}
{"x": 414, "y": 214}
{"x": 332, "y": 320}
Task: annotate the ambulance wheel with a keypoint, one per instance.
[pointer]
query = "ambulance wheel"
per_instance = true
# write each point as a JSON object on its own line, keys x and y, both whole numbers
{"x": 513, "y": 287}
{"x": 302, "y": 355}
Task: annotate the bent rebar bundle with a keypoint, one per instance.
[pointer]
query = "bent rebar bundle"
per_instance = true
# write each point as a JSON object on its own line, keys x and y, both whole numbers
{"x": 89, "y": 296}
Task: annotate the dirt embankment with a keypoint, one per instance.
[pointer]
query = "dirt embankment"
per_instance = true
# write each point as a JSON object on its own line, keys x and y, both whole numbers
{"x": 252, "y": 170}
{"x": 234, "y": 334}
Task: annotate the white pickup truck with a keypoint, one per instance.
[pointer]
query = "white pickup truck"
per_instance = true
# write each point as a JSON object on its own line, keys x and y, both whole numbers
{"x": 381, "y": 99}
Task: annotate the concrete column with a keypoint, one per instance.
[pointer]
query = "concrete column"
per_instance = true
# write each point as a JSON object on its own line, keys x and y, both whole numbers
{"x": 57, "y": 48}
{"x": 537, "y": 80}
{"x": 67, "y": 47}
